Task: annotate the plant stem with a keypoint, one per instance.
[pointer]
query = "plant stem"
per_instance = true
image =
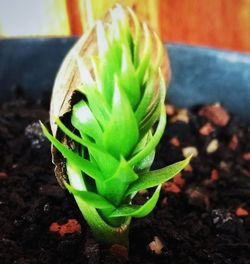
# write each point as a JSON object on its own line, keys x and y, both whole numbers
{"x": 103, "y": 232}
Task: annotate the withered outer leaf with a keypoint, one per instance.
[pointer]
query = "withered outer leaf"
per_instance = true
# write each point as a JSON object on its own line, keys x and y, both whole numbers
{"x": 66, "y": 82}
{"x": 68, "y": 79}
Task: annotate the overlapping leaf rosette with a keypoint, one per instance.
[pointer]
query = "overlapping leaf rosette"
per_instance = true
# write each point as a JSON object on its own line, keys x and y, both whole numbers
{"x": 107, "y": 117}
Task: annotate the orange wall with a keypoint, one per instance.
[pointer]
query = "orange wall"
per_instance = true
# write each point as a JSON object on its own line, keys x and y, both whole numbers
{"x": 217, "y": 23}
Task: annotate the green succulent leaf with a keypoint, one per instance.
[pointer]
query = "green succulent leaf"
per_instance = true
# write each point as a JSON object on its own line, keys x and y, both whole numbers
{"x": 154, "y": 178}
{"x": 107, "y": 71}
{"x": 92, "y": 199}
{"x": 98, "y": 155}
{"x": 153, "y": 142}
{"x": 144, "y": 62}
{"x": 96, "y": 103}
{"x": 145, "y": 164}
{"x": 138, "y": 211}
{"x": 151, "y": 118}
{"x": 83, "y": 164}
{"x": 128, "y": 79}
{"x": 106, "y": 162}
{"x": 76, "y": 177}
{"x": 137, "y": 37}
{"x": 156, "y": 107}
{"x": 119, "y": 182}
{"x": 145, "y": 100}
{"x": 122, "y": 127}
{"x": 83, "y": 119}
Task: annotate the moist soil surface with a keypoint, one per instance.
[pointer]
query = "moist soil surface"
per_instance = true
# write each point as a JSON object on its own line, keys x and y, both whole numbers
{"x": 203, "y": 215}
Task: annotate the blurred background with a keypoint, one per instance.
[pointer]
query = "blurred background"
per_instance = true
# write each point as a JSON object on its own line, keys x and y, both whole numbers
{"x": 223, "y": 24}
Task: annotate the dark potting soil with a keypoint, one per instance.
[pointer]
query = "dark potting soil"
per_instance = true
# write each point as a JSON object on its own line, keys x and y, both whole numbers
{"x": 203, "y": 215}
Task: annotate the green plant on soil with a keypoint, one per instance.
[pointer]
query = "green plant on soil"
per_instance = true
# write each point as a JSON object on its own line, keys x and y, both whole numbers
{"x": 117, "y": 124}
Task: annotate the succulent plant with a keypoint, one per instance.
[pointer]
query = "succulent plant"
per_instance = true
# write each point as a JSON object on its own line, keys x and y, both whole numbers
{"x": 107, "y": 117}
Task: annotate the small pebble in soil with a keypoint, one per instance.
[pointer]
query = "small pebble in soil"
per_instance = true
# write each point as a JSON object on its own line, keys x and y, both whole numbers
{"x": 46, "y": 207}
{"x": 188, "y": 168}
{"x": 212, "y": 146}
{"x": 216, "y": 114}
{"x": 179, "y": 180}
{"x": 198, "y": 197}
{"x": 224, "y": 166}
{"x": 246, "y": 156}
{"x": 233, "y": 144}
{"x": 171, "y": 187}
{"x": 156, "y": 246}
{"x": 170, "y": 109}
{"x": 246, "y": 172}
{"x": 3, "y": 175}
{"x": 241, "y": 212}
{"x": 214, "y": 175}
{"x": 72, "y": 226}
{"x": 182, "y": 115}
{"x": 206, "y": 129}
{"x": 191, "y": 150}
{"x": 175, "y": 142}
{"x": 34, "y": 133}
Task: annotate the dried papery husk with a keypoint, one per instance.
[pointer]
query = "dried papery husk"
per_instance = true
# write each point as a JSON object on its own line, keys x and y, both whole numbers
{"x": 68, "y": 79}
{"x": 66, "y": 83}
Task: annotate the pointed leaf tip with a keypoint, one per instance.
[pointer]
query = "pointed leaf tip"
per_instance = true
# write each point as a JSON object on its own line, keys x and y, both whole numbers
{"x": 102, "y": 40}
{"x": 138, "y": 211}
{"x": 153, "y": 178}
